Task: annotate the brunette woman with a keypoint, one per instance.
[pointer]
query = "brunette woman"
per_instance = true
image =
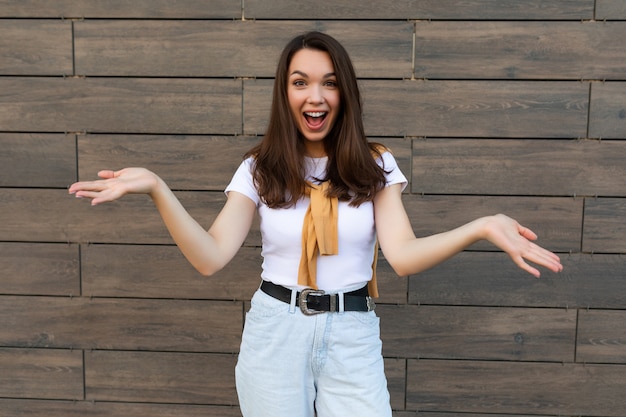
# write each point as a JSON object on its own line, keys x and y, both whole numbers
{"x": 326, "y": 198}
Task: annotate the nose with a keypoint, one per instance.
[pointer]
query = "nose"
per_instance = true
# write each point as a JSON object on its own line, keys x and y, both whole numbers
{"x": 316, "y": 95}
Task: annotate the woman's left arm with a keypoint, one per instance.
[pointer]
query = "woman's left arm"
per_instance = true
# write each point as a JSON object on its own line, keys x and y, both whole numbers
{"x": 409, "y": 255}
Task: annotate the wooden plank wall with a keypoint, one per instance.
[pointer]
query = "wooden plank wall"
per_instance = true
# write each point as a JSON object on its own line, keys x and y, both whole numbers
{"x": 489, "y": 106}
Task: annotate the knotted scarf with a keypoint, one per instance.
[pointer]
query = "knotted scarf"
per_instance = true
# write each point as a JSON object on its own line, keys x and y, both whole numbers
{"x": 320, "y": 236}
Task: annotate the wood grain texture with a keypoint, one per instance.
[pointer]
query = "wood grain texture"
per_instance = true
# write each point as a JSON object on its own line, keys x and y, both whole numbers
{"x": 512, "y": 106}
{"x": 128, "y": 324}
{"x": 39, "y": 408}
{"x": 520, "y": 50}
{"x": 120, "y": 105}
{"x": 183, "y": 162}
{"x": 438, "y": 414}
{"x": 475, "y": 108}
{"x": 556, "y": 220}
{"x": 174, "y": 378}
{"x": 39, "y": 269}
{"x": 607, "y": 115}
{"x": 605, "y": 225}
{"x": 28, "y": 373}
{"x": 491, "y": 279}
{"x": 54, "y": 216}
{"x": 601, "y": 336}
{"x": 610, "y": 10}
{"x": 148, "y": 271}
{"x": 429, "y": 9}
{"x": 231, "y": 49}
{"x": 395, "y": 371}
{"x": 162, "y": 272}
{"x": 37, "y": 160}
{"x": 444, "y": 332}
{"x": 519, "y": 167}
{"x": 515, "y": 387}
{"x": 453, "y": 108}
{"x": 191, "y": 9}
{"x": 35, "y": 47}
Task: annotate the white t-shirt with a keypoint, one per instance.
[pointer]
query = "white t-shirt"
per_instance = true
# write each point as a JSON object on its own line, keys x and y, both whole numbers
{"x": 281, "y": 232}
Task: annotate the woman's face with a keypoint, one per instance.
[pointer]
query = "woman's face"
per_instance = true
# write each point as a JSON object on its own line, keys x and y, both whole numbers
{"x": 313, "y": 97}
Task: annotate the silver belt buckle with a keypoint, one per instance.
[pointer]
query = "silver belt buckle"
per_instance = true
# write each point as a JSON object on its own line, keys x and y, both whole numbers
{"x": 303, "y": 301}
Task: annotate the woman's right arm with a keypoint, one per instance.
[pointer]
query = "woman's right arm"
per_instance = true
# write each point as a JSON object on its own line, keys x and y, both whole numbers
{"x": 208, "y": 251}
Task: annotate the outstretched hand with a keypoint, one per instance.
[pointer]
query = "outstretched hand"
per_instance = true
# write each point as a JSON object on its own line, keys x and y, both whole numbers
{"x": 517, "y": 241}
{"x": 115, "y": 184}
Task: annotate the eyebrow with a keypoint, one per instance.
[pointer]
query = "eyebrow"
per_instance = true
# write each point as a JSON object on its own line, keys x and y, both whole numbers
{"x": 304, "y": 74}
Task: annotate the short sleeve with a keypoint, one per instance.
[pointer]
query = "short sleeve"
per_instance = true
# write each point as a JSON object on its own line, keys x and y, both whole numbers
{"x": 242, "y": 181}
{"x": 392, "y": 170}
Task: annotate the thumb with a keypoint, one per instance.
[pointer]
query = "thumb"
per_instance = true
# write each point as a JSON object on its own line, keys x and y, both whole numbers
{"x": 106, "y": 174}
{"x": 527, "y": 233}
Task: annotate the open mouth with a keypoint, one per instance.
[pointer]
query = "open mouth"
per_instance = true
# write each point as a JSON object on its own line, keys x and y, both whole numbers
{"x": 315, "y": 119}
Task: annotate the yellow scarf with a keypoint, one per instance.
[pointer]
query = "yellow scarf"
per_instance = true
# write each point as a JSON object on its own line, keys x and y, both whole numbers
{"x": 320, "y": 236}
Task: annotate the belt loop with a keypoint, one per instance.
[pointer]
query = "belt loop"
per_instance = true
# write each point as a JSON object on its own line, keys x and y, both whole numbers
{"x": 341, "y": 302}
{"x": 292, "y": 303}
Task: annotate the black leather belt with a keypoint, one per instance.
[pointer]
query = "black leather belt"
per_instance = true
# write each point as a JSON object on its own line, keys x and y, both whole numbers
{"x": 313, "y": 301}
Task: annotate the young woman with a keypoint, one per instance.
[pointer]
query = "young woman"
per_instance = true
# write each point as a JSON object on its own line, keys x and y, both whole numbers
{"x": 326, "y": 198}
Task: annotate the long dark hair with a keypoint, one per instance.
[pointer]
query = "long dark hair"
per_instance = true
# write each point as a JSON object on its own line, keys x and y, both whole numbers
{"x": 352, "y": 170}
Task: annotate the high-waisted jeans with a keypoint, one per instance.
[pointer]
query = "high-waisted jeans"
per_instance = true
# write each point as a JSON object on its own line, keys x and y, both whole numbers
{"x": 326, "y": 365}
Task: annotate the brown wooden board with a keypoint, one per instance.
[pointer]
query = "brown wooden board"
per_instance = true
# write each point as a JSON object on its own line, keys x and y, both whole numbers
{"x": 120, "y": 105}
{"x": 604, "y": 229}
{"x": 42, "y": 408}
{"x": 162, "y": 272}
{"x": 184, "y": 162}
{"x": 454, "y": 108}
{"x": 55, "y": 216}
{"x": 519, "y": 167}
{"x": 602, "y": 336}
{"x": 491, "y": 279}
{"x": 509, "y": 334}
{"x": 516, "y": 388}
{"x": 35, "y": 47}
{"x": 190, "y": 9}
{"x": 429, "y": 9}
{"x": 520, "y": 50}
{"x": 231, "y": 48}
{"x": 401, "y": 149}
{"x": 149, "y": 377}
{"x": 392, "y": 289}
{"x": 395, "y": 371}
{"x": 556, "y": 220}
{"x": 438, "y": 414}
{"x": 128, "y": 324}
{"x": 37, "y": 160}
{"x": 39, "y": 269}
{"x": 610, "y": 10}
{"x": 475, "y": 108}
{"x": 103, "y": 316}
{"x": 607, "y": 114}
{"x": 41, "y": 373}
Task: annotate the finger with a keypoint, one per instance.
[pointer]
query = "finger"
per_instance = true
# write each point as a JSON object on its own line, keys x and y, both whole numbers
{"x": 106, "y": 174}
{"x": 97, "y": 185}
{"x": 91, "y": 186}
{"x": 545, "y": 258}
{"x": 96, "y": 197}
{"x": 76, "y": 187}
{"x": 527, "y": 233}
{"x": 519, "y": 261}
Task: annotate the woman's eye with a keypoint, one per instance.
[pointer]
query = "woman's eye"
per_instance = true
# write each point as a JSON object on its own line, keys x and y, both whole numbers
{"x": 299, "y": 83}
{"x": 331, "y": 83}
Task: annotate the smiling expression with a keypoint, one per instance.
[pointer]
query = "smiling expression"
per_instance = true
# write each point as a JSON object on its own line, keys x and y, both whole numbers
{"x": 313, "y": 97}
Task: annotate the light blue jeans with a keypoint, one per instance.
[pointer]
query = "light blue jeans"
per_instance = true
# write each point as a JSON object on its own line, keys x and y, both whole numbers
{"x": 327, "y": 365}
